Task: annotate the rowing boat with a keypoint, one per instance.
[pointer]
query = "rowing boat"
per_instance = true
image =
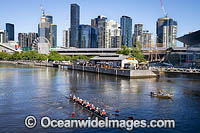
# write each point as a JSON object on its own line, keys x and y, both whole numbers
{"x": 90, "y": 111}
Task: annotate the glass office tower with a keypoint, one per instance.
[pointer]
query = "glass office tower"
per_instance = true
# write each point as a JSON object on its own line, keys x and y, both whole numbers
{"x": 10, "y": 32}
{"x": 53, "y": 35}
{"x": 87, "y": 37}
{"x": 75, "y": 21}
{"x": 126, "y": 30}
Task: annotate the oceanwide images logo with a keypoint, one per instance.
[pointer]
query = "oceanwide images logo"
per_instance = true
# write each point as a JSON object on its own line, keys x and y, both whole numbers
{"x": 47, "y": 122}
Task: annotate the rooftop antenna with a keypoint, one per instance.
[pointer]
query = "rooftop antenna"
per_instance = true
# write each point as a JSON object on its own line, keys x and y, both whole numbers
{"x": 163, "y": 8}
{"x": 43, "y": 10}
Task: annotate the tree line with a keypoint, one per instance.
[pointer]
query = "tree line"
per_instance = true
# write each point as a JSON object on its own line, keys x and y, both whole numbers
{"x": 134, "y": 51}
{"x": 35, "y": 56}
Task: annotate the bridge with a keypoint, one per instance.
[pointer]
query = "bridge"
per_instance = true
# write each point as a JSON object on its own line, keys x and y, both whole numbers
{"x": 9, "y": 48}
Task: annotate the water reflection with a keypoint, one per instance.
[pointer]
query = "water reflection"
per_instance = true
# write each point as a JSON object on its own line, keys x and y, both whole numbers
{"x": 41, "y": 91}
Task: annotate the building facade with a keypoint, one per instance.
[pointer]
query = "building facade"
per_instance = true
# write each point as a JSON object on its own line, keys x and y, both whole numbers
{"x": 109, "y": 32}
{"x": 10, "y": 32}
{"x": 53, "y": 35}
{"x": 126, "y": 30}
{"x": 47, "y": 29}
{"x": 100, "y": 24}
{"x": 147, "y": 40}
{"x": 166, "y": 32}
{"x": 26, "y": 40}
{"x": 87, "y": 37}
{"x": 138, "y": 31}
{"x": 2, "y": 36}
{"x": 113, "y": 34}
{"x": 66, "y": 38}
{"x": 75, "y": 22}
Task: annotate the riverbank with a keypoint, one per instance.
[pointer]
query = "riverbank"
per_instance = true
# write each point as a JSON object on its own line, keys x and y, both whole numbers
{"x": 111, "y": 71}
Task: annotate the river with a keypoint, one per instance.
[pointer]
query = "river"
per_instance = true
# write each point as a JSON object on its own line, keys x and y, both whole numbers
{"x": 42, "y": 91}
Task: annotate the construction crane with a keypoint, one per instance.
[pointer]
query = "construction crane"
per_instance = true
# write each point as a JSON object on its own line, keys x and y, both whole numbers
{"x": 43, "y": 10}
{"x": 163, "y": 8}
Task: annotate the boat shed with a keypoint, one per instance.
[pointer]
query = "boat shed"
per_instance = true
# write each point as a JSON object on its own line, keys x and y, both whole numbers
{"x": 116, "y": 61}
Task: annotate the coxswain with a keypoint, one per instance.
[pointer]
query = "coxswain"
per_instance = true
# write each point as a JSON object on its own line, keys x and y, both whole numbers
{"x": 70, "y": 95}
{"x": 97, "y": 111}
{"x": 92, "y": 108}
{"x": 103, "y": 113}
{"x": 88, "y": 105}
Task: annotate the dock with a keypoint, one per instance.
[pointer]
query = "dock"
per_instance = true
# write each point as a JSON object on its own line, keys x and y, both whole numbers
{"x": 112, "y": 71}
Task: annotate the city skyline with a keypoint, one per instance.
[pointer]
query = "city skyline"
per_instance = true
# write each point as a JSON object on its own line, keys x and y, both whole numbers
{"x": 181, "y": 12}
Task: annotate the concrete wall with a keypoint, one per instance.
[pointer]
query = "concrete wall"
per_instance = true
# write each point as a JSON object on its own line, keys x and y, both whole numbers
{"x": 142, "y": 74}
{"x": 117, "y": 72}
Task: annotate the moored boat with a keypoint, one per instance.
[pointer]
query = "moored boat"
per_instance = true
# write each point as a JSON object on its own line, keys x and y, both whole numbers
{"x": 161, "y": 95}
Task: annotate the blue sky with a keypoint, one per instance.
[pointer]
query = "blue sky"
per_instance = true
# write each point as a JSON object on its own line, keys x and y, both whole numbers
{"x": 25, "y": 14}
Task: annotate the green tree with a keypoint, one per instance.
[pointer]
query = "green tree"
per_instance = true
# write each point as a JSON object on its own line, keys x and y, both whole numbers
{"x": 16, "y": 56}
{"x": 42, "y": 57}
{"x": 137, "y": 52}
{"x": 67, "y": 58}
{"x": 55, "y": 56}
{"x": 124, "y": 50}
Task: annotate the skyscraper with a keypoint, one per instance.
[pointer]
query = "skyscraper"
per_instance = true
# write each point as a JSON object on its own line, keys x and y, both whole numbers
{"x": 10, "y": 32}
{"x": 66, "y": 38}
{"x": 126, "y": 30}
{"x": 112, "y": 34}
{"x": 138, "y": 31}
{"x": 75, "y": 21}
{"x": 53, "y": 35}
{"x": 109, "y": 32}
{"x": 47, "y": 29}
{"x": 100, "y": 24}
{"x": 87, "y": 36}
{"x": 44, "y": 27}
{"x": 166, "y": 32}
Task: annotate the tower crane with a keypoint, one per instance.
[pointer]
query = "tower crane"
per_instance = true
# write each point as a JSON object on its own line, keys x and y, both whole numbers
{"x": 163, "y": 8}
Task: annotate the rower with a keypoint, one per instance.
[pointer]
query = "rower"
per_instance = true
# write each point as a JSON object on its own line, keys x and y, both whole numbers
{"x": 88, "y": 105}
{"x": 97, "y": 111}
{"x": 74, "y": 98}
{"x": 84, "y": 103}
{"x": 81, "y": 101}
{"x": 77, "y": 100}
{"x": 92, "y": 108}
{"x": 103, "y": 113}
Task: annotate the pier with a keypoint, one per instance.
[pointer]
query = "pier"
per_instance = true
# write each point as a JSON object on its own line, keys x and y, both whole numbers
{"x": 111, "y": 71}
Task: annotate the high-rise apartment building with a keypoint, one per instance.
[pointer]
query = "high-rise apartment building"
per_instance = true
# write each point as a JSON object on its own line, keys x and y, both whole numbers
{"x": 166, "y": 32}
{"x": 75, "y": 22}
{"x": 100, "y": 24}
{"x": 10, "y": 32}
{"x": 109, "y": 32}
{"x": 138, "y": 31}
{"x": 146, "y": 40}
{"x": 112, "y": 34}
{"x": 126, "y": 30}
{"x": 26, "y": 40}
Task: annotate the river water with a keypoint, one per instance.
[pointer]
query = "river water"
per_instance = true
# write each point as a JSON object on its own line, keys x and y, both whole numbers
{"x": 41, "y": 91}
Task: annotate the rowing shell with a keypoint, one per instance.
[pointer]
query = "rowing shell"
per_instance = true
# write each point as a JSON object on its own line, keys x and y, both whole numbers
{"x": 93, "y": 113}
